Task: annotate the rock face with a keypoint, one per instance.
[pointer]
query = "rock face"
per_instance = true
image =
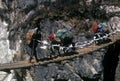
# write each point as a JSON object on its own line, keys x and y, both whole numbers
{"x": 23, "y": 15}
{"x": 5, "y": 51}
{"x": 85, "y": 68}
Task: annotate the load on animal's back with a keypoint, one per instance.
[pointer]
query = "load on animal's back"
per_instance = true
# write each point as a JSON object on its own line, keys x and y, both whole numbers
{"x": 101, "y": 27}
{"x": 62, "y": 36}
{"x": 62, "y": 41}
{"x": 65, "y": 36}
{"x": 101, "y": 30}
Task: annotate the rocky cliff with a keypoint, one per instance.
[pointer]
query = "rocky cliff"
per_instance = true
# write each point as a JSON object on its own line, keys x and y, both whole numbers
{"x": 23, "y": 15}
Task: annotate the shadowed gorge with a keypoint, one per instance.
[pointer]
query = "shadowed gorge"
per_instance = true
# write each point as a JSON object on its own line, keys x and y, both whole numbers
{"x": 110, "y": 62}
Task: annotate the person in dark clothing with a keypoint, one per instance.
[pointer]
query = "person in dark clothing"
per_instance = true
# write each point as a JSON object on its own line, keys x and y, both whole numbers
{"x": 34, "y": 42}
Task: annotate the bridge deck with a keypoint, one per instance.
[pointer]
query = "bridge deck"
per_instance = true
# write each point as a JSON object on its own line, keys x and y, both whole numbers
{"x": 83, "y": 51}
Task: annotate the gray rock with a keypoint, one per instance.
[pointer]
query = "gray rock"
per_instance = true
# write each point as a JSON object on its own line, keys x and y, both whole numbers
{"x": 27, "y": 5}
{"x": 42, "y": 53}
{"x": 89, "y": 66}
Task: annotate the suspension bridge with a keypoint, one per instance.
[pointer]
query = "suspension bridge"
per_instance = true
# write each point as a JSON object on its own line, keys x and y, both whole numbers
{"x": 114, "y": 36}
